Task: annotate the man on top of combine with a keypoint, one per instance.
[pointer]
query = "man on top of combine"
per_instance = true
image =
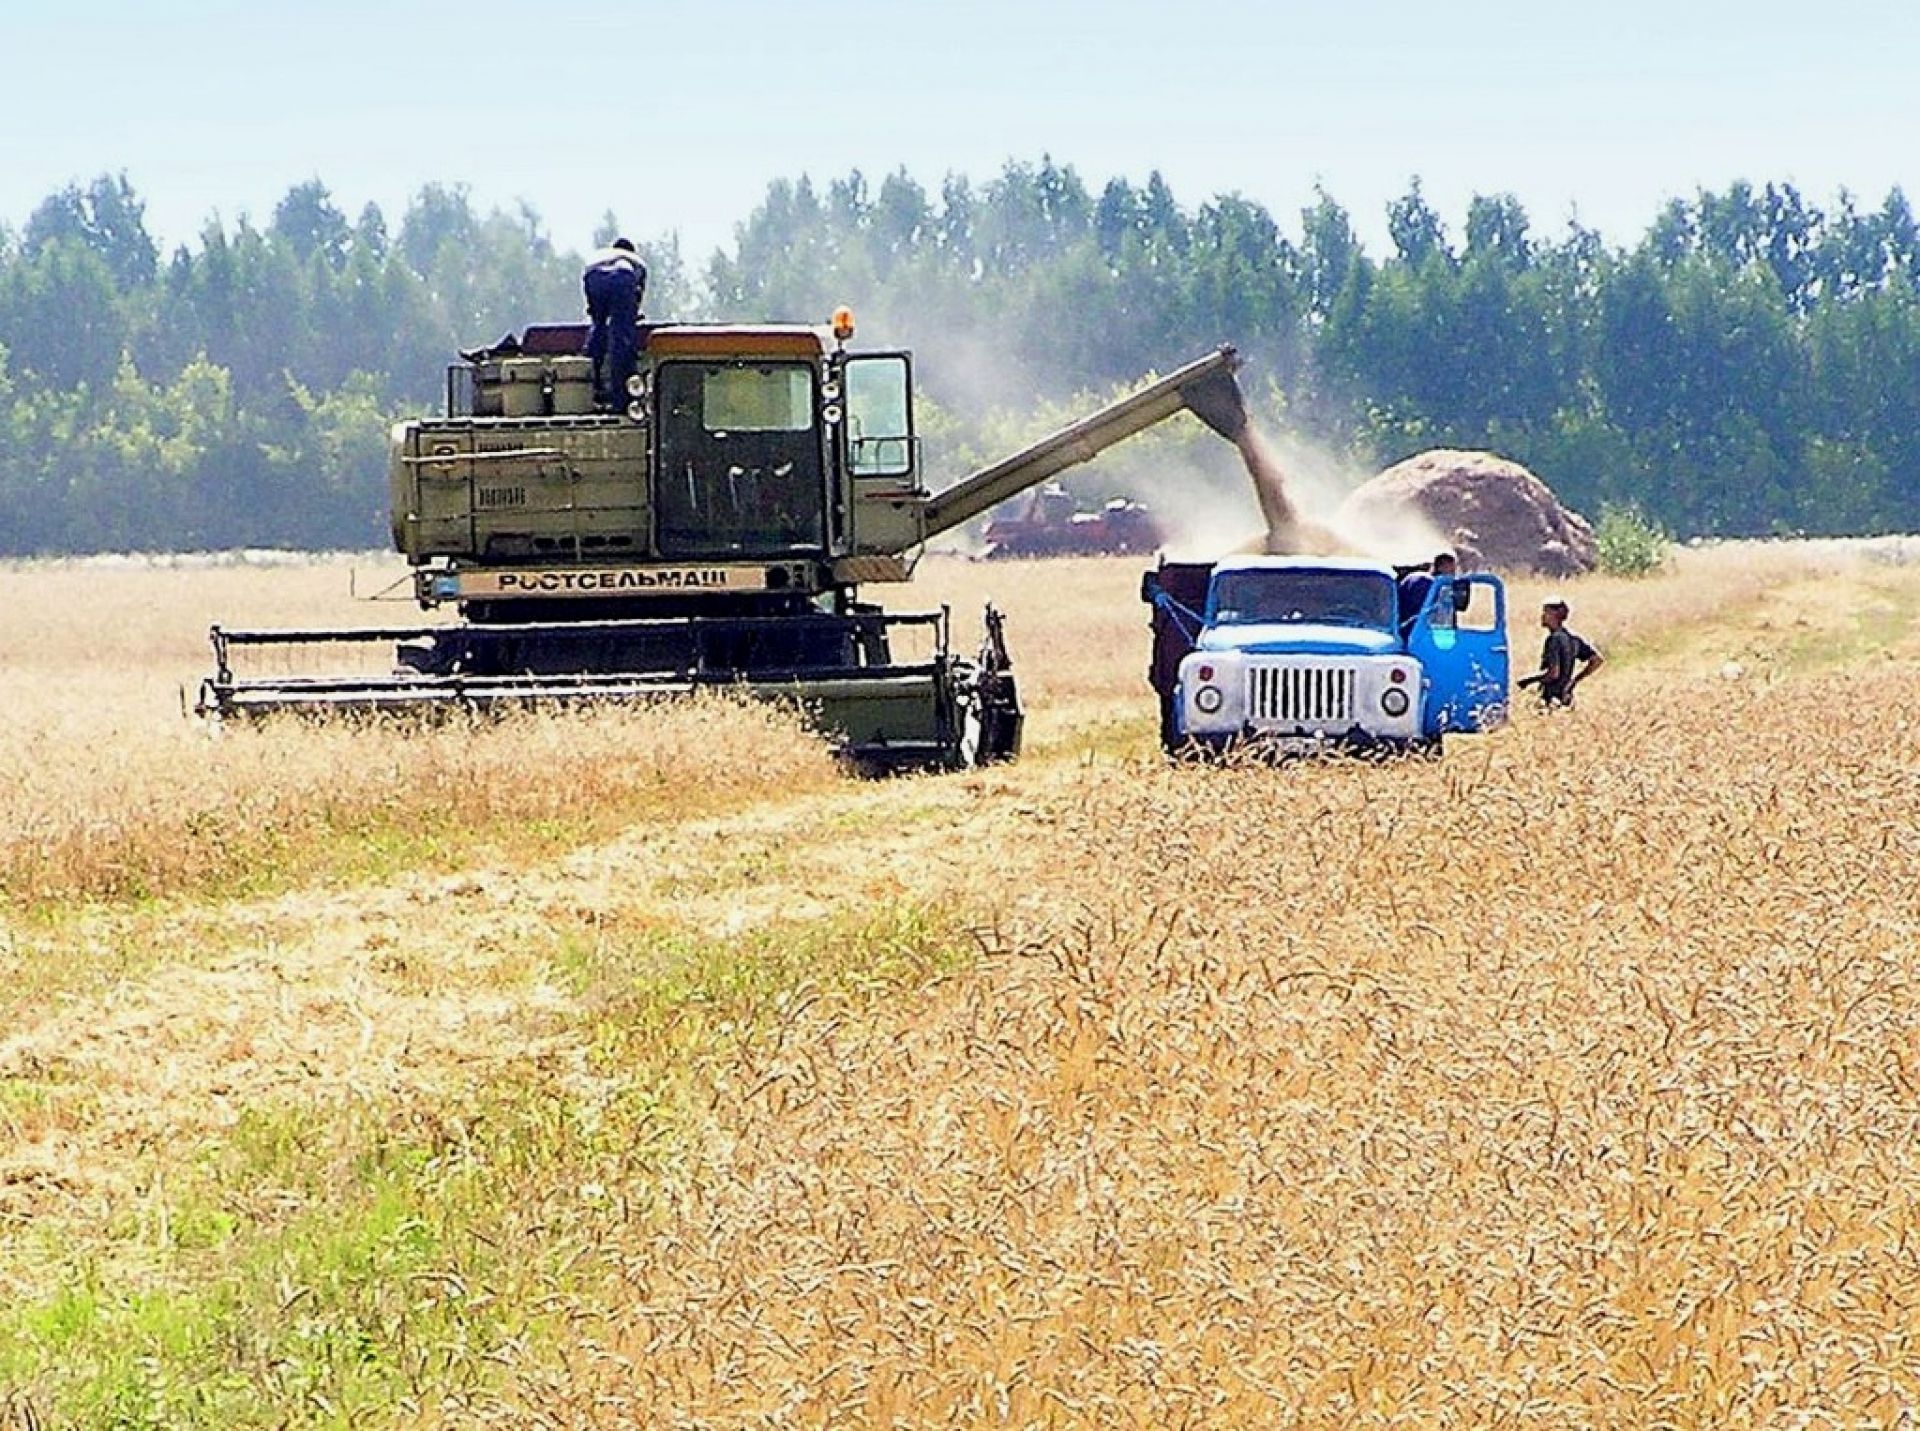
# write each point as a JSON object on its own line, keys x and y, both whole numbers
{"x": 614, "y": 280}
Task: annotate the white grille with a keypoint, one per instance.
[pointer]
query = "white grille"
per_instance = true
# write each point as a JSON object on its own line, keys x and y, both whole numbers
{"x": 1300, "y": 695}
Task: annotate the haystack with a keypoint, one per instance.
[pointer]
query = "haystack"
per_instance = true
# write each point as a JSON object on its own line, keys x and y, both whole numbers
{"x": 1495, "y": 512}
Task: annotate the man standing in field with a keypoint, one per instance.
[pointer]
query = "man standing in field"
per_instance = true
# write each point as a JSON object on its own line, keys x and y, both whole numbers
{"x": 1565, "y": 658}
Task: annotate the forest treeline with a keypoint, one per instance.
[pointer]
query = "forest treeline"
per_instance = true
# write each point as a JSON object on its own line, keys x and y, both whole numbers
{"x": 1749, "y": 365}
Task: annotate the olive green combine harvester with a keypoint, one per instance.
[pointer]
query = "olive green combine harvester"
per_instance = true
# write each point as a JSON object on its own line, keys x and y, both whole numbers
{"x": 715, "y": 533}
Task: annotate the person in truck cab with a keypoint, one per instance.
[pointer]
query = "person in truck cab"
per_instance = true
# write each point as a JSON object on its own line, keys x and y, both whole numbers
{"x": 614, "y": 281}
{"x": 1565, "y": 658}
{"x": 1417, "y": 585}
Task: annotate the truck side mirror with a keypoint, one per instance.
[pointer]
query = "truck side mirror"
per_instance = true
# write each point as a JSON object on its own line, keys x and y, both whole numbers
{"x": 1149, "y": 586}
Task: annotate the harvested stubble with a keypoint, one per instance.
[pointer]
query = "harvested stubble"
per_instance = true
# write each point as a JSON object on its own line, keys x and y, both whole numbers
{"x": 108, "y": 812}
{"x": 1574, "y": 1080}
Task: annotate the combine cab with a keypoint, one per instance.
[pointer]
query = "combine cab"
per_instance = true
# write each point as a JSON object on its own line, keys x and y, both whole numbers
{"x": 716, "y": 532}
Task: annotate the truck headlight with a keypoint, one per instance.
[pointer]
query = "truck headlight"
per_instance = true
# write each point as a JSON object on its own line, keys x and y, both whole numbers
{"x": 1394, "y": 701}
{"x": 1207, "y": 699}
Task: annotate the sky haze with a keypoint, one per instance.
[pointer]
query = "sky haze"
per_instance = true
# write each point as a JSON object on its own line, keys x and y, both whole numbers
{"x": 674, "y": 115}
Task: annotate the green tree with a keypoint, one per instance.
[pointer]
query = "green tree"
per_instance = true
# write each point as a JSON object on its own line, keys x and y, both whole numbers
{"x": 307, "y": 222}
{"x": 107, "y": 217}
{"x": 1416, "y": 230}
{"x": 1497, "y": 231}
{"x": 63, "y": 314}
{"x": 1747, "y": 365}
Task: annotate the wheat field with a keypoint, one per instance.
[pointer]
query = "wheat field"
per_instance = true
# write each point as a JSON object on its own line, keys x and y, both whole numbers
{"x": 639, "y": 1069}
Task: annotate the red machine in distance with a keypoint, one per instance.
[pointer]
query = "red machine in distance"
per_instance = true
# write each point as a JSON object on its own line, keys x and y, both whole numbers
{"x": 1048, "y": 523}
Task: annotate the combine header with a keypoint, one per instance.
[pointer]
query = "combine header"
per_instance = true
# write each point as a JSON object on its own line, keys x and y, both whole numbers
{"x": 714, "y": 533}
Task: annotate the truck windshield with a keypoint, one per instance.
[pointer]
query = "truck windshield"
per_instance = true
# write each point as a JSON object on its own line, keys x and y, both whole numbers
{"x": 741, "y": 471}
{"x": 1339, "y": 598}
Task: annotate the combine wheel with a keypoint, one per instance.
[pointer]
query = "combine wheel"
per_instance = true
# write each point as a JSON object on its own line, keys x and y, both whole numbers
{"x": 992, "y": 721}
{"x": 967, "y": 747}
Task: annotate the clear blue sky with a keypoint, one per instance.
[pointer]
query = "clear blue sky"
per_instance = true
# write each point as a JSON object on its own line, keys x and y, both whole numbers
{"x": 676, "y": 113}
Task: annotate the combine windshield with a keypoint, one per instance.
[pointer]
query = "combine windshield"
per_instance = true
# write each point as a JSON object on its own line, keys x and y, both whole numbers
{"x": 1336, "y": 598}
{"x": 740, "y": 465}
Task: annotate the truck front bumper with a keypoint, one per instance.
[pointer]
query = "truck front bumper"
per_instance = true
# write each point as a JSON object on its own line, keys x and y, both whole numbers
{"x": 1251, "y": 743}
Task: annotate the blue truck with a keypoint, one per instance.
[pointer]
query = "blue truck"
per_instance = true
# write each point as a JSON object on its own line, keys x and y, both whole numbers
{"x": 1293, "y": 655}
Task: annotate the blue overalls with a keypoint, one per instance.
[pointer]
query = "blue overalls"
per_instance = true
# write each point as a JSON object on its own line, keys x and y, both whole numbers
{"x": 613, "y": 282}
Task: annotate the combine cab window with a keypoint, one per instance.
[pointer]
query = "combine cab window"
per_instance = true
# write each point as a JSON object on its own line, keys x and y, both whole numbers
{"x": 1338, "y": 598}
{"x": 756, "y": 400}
{"x": 879, "y": 416}
{"x": 740, "y": 464}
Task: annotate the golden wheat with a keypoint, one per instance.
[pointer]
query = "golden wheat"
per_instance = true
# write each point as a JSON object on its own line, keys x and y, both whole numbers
{"x": 108, "y": 789}
{"x": 1569, "y": 1081}
{"x": 1573, "y": 1079}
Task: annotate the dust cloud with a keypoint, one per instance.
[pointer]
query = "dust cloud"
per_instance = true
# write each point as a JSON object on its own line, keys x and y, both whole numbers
{"x": 1283, "y": 496}
{"x": 1289, "y": 530}
{"x": 1297, "y": 493}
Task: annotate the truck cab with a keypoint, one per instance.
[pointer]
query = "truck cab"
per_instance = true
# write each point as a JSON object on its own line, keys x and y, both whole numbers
{"x": 1295, "y": 655}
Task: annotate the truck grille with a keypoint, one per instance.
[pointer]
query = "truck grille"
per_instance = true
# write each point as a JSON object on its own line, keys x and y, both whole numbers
{"x": 1300, "y": 695}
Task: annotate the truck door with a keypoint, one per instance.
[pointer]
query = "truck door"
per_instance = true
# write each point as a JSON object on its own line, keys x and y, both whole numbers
{"x": 1460, "y": 640}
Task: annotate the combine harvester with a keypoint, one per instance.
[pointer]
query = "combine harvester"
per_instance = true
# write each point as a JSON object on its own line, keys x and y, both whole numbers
{"x": 1049, "y": 524}
{"x": 715, "y": 533}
